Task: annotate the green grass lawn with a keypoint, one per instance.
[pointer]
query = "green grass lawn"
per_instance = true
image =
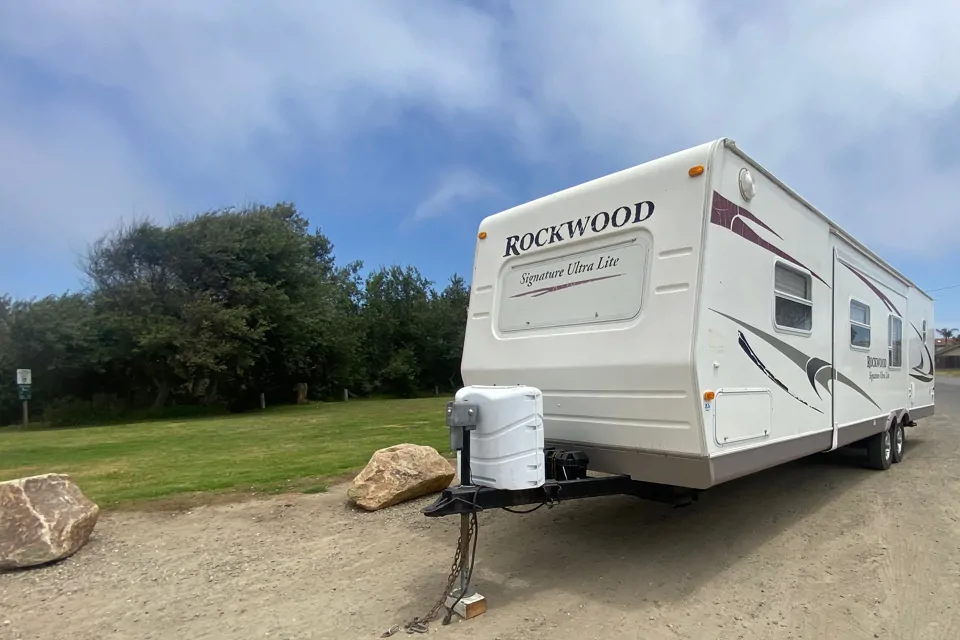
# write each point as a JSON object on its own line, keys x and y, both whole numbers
{"x": 299, "y": 447}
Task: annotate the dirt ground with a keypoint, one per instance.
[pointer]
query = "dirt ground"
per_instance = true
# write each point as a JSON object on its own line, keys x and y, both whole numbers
{"x": 819, "y": 548}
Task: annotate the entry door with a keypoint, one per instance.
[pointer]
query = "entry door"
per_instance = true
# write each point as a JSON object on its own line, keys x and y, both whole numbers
{"x": 833, "y": 339}
{"x": 869, "y": 310}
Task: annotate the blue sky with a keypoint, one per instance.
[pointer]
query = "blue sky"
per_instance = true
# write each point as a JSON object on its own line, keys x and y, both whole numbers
{"x": 397, "y": 126}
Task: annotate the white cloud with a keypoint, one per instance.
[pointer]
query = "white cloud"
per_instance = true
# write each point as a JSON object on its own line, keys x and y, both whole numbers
{"x": 836, "y": 97}
{"x": 66, "y": 174}
{"x": 800, "y": 86}
{"x": 221, "y": 74}
{"x": 455, "y": 189}
{"x": 217, "y": 93}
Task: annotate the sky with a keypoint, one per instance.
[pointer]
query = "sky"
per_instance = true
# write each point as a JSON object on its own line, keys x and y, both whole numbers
{"x": 397, "y": 126}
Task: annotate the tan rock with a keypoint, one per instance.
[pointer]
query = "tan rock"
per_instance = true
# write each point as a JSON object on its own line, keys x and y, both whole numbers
{"x": 400, "y": 473}
{"x": 42, "y": 519}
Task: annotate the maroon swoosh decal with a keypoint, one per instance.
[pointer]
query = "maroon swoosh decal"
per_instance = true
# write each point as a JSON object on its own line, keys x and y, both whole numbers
{"x": 880, "y": 294}
{"x": 729, "y": 208}
{"x": 730, "y": 216}
{"x": 545, "y": 290}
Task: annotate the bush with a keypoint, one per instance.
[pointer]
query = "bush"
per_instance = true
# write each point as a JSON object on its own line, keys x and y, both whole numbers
{"x": 107, "y": 409}
{"x": 71, "y": 412}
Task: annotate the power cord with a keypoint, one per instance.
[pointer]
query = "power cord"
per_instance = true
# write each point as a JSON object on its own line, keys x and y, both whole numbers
{"x": 519, "y": 512}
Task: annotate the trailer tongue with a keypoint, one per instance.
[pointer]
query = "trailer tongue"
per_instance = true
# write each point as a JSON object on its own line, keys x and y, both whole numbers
{"x": 467, "y": 498}
{"x": 497, "y": 433}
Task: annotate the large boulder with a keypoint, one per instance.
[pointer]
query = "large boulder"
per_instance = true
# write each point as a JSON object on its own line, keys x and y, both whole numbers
{"x": 400, "y": 473}
{"x": 43, "y": 519}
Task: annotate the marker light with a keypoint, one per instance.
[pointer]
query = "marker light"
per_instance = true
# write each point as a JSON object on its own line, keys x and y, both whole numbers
{"x": 748, "y": 188}
{"x": 482, "y": 235}
{"x": 695, "y": 171}
{"x": 709, "y": 395}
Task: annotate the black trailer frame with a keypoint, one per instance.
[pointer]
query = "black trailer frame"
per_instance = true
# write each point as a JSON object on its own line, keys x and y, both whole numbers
{"x": 566, "y": 478}
{"x": 466, "y": 498}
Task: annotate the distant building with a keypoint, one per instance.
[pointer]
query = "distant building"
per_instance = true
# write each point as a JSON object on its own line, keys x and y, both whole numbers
{"x": 948, "y": 355}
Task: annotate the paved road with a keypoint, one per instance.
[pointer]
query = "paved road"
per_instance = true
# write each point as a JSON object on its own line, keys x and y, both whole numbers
{"x": 947, "y": 394}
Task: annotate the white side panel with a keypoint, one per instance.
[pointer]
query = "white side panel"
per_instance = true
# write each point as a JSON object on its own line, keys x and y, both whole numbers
{"x": 919, "y": 342}
{"x": 742, "y": 415}
{"x": 787, "y": 304}
{"x": 872, "y": 378}
{"x": 612, "y": 355}
{"x": 755, "y": 248}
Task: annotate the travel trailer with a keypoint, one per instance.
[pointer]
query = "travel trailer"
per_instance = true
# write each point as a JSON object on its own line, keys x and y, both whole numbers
{"x": 676, "y": 325}
{"x": 680, "y": 324}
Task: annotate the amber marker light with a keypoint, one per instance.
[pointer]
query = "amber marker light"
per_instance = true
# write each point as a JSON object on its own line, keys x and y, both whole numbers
{"x": 482, "y": 235}
{"x": 709, "y": 395}
{"x": 695, "y": 171}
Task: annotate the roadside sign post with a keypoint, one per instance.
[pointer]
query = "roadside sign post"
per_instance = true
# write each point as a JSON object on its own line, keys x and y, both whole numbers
{"x": 24, "y": 381}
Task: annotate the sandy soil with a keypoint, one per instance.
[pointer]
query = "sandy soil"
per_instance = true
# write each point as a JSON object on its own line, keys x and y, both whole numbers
{"x": 820, "y": 548}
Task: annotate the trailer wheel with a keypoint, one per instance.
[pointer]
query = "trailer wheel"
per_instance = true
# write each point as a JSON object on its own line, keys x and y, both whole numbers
{"x": 898, "y": 440}
{"x": 880, "y": 450}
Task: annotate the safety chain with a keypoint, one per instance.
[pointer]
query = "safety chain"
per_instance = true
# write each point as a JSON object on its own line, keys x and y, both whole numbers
{"x": 418, "y": 624}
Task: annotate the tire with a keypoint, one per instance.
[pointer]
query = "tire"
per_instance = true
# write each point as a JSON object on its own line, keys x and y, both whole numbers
{"x": 897, "y": 440}
{"x": 880, "y": 450}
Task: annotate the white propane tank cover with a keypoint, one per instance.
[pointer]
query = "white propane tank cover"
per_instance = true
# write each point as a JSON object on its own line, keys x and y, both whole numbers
{"x": 506, "y": 449}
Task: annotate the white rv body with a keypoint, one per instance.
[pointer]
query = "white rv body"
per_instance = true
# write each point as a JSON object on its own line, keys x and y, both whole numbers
{"x": 689, "y": 326}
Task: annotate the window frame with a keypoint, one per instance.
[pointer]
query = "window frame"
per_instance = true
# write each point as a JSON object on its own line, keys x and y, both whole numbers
{"x": 792, "y": 298}
{"x": 890, "y": 318}
{"x": 504, "y": 314}
{"x": 868, "y": 326}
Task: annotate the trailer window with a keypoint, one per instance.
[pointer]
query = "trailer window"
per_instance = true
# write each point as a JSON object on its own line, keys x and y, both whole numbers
{"x": 794, "y": 300}
{"x": 895, "y": 341}
{"x": 859, "y": 324}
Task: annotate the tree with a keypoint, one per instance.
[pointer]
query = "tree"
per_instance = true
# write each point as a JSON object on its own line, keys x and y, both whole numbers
{"x": 235, "y": 303}
{"x": 444, "y": 334}
{"x": 58, "y": 339}
{"x": 395, "y": 321}
{"x": 947, "y": 334}
{"x": 225, "y": 305}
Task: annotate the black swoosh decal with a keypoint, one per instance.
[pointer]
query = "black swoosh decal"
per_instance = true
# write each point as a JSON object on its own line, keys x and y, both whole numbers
{"x": 823, "y": 375}
{"x": 853, "y": 385}
{"x": 921, "y": 375}
{"x": 742, "y": 340}
{"x": 798, "y": 357}
{"x": 756, "y": 360}
{"x": 815, "y": 367}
